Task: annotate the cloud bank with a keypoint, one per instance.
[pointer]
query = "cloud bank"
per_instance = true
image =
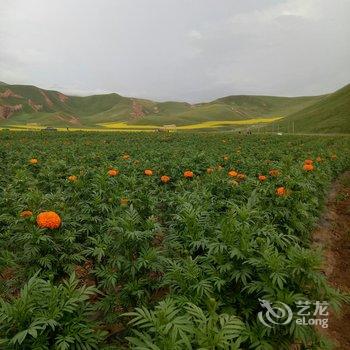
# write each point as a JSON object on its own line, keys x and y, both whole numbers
{"x": 191, "y": 50}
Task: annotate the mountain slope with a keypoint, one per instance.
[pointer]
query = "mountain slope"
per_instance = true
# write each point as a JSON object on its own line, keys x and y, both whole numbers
{"x": 23, "y": 104}
{"x": 269, "y": 105}
{"x": 27, "y": 104}
{"x": 331, "y": 114}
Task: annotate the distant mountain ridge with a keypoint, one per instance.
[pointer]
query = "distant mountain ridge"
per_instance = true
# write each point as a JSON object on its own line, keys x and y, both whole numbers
{"x": 330, "y": 114}
{"x": 23, "y": 104}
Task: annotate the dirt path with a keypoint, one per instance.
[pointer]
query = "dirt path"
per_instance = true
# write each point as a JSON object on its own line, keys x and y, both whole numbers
{"x": 333, "y": 234}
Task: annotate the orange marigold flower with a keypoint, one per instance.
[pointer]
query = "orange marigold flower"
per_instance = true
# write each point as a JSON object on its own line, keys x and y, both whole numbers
{"x": 262, "y": 178}
{"x": 26, "y": 214}
{"x": 148, "y": 172}
{"x": 124, "y": 201}
{"x": 210, "y": 170}
{"x": 308, "y": 167}
{"x": 72, "y": 178}
{"x": 188, "y": 174}
{"x": 274, "y": 172}
{"x": 318, "y": 159}
{"x": 241, "y": 176}
{"x": 334, "y": 156}
{"x": 281, "y": 191}
{"x": 48, "y": 219}
{"x": 225, "y": 158}
{"x": 33, "y": 161}
{"x": 308, "y": 161}
{"x": 232, "y": 173}
{"x": 113, "y": 172}
{"x": 165, "y": 179}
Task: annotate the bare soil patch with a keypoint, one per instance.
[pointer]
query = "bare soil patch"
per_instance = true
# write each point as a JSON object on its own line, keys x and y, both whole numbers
{"x": 333, "y": 235}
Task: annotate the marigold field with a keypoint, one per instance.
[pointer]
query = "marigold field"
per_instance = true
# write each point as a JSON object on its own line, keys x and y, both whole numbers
{"x": 160, "y": 241}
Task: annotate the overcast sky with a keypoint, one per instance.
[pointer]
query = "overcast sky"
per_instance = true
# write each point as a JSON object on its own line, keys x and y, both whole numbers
{"x": 191, "y": 50}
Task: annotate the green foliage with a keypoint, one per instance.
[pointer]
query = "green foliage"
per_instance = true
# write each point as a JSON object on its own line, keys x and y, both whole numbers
{"x": 187, "y": 261}
{"x": 47, "y": 316}
{"x": 175, "y": 326}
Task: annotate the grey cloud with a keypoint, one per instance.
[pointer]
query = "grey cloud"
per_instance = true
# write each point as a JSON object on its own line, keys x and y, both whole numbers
{"x": 189, "y": 50}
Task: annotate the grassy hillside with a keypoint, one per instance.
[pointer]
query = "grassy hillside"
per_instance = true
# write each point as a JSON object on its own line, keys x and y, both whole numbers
{"x": 23, "y": 104}
{"x": 331, "y": 114}
{"x": 268, "y": 105}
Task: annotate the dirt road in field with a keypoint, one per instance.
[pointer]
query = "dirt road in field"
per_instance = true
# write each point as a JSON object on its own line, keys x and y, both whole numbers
{"x": 333, "y": 235}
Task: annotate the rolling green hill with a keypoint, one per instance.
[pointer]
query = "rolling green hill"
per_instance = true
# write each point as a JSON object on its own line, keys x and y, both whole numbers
{"x": 330, "y": 114}
{"x": 26, "y": 104}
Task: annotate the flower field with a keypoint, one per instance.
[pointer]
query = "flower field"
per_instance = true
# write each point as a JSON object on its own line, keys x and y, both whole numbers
{"x": 160, "y": 241}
